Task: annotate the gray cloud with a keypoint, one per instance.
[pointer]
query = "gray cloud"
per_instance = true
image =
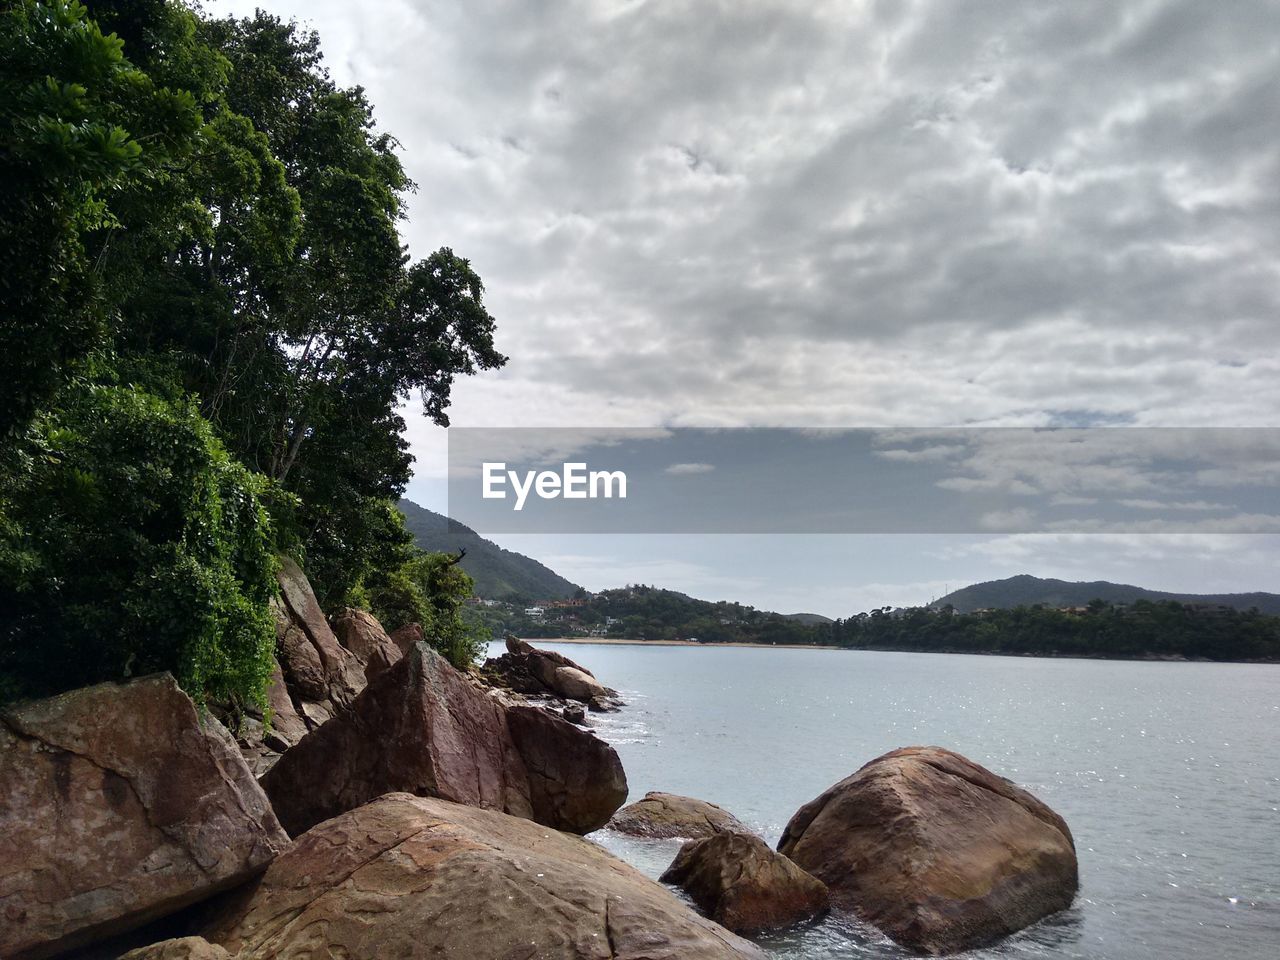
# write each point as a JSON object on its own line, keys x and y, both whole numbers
{"x": 909, "y": 212}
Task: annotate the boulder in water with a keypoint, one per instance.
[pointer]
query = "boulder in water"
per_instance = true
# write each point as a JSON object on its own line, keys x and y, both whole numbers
{"x": 743, "y": 885}
{"x": 667, "y": 815}
{"x": 938, "y": 852}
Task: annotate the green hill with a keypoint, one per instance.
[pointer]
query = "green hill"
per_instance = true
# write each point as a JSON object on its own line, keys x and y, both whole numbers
{"x": 1028, "y": 591}
{"x": 499, "y": 574}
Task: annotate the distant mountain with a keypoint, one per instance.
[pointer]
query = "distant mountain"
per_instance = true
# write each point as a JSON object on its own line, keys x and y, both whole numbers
{"x": 808, "y": 619}
{"x": 499, "y": 574}
{"x": 1027, "y": 591}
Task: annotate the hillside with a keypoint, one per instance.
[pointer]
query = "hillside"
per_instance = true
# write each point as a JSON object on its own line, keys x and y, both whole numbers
{"x": 499, "y": 574}
{"x": 1026, "y": 591}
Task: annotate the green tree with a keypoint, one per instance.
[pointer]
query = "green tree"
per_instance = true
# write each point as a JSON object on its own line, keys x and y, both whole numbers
{"x": 132, "y": 543}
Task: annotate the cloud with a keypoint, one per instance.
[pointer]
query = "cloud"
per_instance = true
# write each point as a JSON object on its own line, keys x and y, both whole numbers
{"x": 779, "y": 213}
{"x": 688, "y": 469}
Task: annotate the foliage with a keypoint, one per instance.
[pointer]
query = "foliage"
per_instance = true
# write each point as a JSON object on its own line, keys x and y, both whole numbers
{"x": 133, "y": 543}
{"x": 204, "y": 262}
{"x": 429, "y": 589}
{"x": 74, "y": 114}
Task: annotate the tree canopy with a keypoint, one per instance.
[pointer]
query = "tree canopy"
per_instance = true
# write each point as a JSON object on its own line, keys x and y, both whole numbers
{"x": 204, "y": 262}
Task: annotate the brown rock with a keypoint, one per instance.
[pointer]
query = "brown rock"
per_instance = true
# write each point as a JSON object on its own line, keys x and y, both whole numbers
{"x": 745, "y": 886}
{"x": 405, "y": 637}
{"x": 423, "y": 727}
{"x": 287, "y": 727}
{"x": 342, "y": 675}
{"x": 938, "y": 852}
{"x": 576, "y": 780}
{"x": 526, "y": 669}
{"x": 666, "y": 815}
{"x": 184, "y": 948}
{"x": 118, "y": 805}
{"x": 409, "y": 877}
{"x": 360, "y": 632}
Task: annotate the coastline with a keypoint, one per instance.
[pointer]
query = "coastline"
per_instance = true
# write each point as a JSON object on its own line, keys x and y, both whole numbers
{"x": 1042, "y": 655}
{"x": 621, "y": 642}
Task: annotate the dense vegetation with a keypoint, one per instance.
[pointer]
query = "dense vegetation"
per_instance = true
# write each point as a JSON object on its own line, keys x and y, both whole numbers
{"x": 498, "y": 574}
{"x": 208, "y": 326}
{"x": 1144, "y": 629}
{"x": 1028, "y": 591}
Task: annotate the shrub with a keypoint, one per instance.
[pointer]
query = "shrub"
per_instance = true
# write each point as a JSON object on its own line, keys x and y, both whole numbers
{"x": 131, "y": 543}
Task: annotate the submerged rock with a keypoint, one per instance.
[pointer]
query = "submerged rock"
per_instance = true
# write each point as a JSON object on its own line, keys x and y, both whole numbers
{"x": 939, "y": 853}
{"x": 409, "y": 876}
{"x": 423, "y": 727}
{"x": 119, "y": 805}
{"x": 745, "y": 886}
{"x": 667, "y": 815}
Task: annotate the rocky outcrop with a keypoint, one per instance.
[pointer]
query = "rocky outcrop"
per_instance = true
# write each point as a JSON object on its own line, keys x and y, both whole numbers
{"x": 316, "y": 667}
{"x": 184, "y": 948}
{"x": 526, "y": 669}
{"x": 939, "y": 853}
{"x": 409, "y": 876}
{"x": 576, "y": 780}
{"x": 743, "y": 885}
{"x": 118, "y": 805}
{"x": 405, "y": 637}
{"x": 423, "y": 727}
{"x": 667, "y": 815}
{"x": 362, "y": 635}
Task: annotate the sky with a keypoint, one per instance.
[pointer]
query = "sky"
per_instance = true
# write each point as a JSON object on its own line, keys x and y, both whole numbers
{"x": 883, "y": 214}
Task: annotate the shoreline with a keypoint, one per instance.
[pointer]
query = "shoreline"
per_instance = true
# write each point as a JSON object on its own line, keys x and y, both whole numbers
{"x": 620, "y": 642}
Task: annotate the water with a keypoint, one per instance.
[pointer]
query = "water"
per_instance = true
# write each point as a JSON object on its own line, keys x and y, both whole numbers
{"x": 1168, "y": 774}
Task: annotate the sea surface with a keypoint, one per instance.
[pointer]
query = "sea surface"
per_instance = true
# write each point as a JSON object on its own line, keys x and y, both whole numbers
{"x": 1168, "y": 774}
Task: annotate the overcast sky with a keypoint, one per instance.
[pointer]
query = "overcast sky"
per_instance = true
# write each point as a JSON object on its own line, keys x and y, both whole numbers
{"x": 896, "y": 213}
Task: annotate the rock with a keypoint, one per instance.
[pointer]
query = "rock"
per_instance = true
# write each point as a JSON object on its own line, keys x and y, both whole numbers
{"x": 360, "y": 632}
{"x": 576, "y": 780}
{"x": 745, "y": 886}
{"x": 405, "y": 637}
{"x": 409, "y": 876}
{"x": 526, "y": 669}
{"x": 423, "y": 727}
{"x": 666, "y": 815}
{"x": 119, "y": 805}
{"x": 287, "y": 726}
{"x": 938, "y": 852}
{"x": 306, "y": 642}
{"x": 575, "y": 713}
{"x": 184, "y": 948}
{"x": 608, "y": 704}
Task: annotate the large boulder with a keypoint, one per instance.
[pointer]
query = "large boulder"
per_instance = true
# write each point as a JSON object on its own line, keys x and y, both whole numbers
{"x": 667, "y": 815}
{"x": 939, "y": 853}
{"x": 318, "y": 667}
{"x": 745, "y": 886}
{"x": 360, "y": 633}
{"x": 409, "y": 876}
{"x": 423, "y": 727}
{"x": 576, "y": 780}
{"x": 119, "y": 804}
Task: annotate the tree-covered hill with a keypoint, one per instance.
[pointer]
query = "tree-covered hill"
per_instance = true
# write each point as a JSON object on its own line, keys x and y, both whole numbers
{"x": 1028, "y": 591}
{"x": 499, "y": 574}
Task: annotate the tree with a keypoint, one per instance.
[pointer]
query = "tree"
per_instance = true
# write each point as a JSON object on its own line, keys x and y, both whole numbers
{"x": 132, "y": 543}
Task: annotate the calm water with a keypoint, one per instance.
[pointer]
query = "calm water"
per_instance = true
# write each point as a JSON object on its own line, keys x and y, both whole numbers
{"x": 1168, "y": 773}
